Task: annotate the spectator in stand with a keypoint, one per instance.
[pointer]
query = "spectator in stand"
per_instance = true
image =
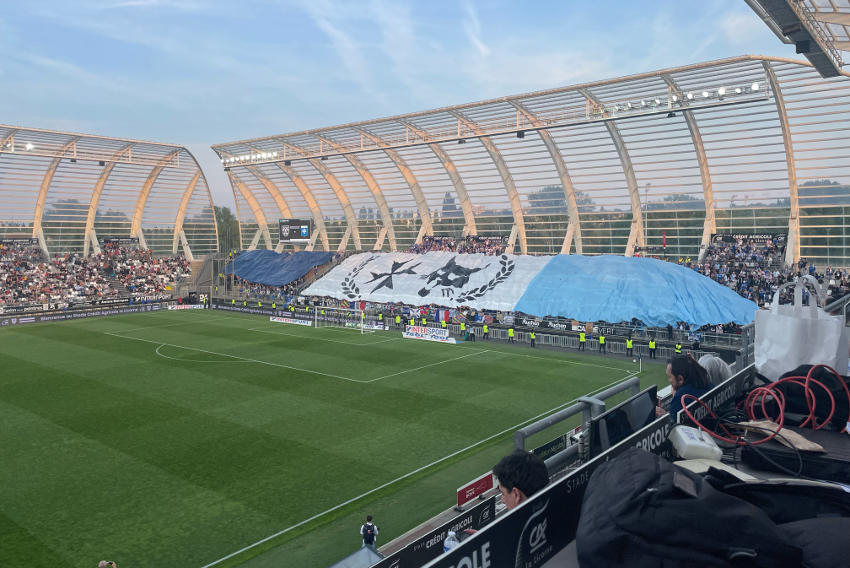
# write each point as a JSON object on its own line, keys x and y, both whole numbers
{"x": 520, "y": 474}
{"x": 686, "y": 376}
{"x": 717, "y": 369}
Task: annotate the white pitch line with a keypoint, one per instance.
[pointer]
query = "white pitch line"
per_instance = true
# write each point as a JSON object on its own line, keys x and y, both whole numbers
{"x": 261, "y": 362}
{"x": 270, "y": 332}
{"x": 428, "y": 365}
{"x": 190, "y": 360}
{"x": 405, "y": 476}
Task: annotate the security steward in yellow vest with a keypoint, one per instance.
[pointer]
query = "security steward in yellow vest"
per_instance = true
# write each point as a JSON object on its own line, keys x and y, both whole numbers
{"x": 678, "y": 348}
{"x": 629, "y": 347}
{"x": 424, "y": 322}
{"x": 582, "y": 340}
{"x": 486, "y": 331}
{"x": 443, "y": 324}
{"x": 511, "y": 335}
{"x": 412, "y": 322}
{"x": 602, "y": 348}
{"x": 397, "y": 320}
{"x": 532, "y": 337}
{"x": 652, "y": 353}
{"x": 233, "y": 301}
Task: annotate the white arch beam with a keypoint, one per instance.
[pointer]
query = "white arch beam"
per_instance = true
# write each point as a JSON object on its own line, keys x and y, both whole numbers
{"x": 42, "y": 195}
{"x": 469, "y": 227}
{"x": 792, "y": 248}
{"x": 181, "y": 214}
{"x": 136, "y": 225}
{"x": 710, "y": 224}
{"x": 412, "y": 182}
{"x": 90, "y": 242}
{"x": 256, "y": 210}
{"x": 310, "y": 199}
{"x": 574, "y": 223}
{"x": 504, "y": 172}
{"x": 373, "y": 186}
{"x": 636, "y": 237}
{"x": 342, "y": 197}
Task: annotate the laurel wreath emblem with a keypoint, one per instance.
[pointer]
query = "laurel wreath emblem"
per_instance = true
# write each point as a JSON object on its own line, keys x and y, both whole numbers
{"x": 349, "y": 286}
{"x": 505, "y": 270}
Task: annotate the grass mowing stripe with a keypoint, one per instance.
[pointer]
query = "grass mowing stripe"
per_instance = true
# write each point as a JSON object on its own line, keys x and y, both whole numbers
{"x": 246, "y": 359}
{"x": 409, "y": 474}
{"x": 426, "y": 366}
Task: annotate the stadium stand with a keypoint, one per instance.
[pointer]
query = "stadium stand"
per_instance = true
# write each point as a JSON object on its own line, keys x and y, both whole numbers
{"x": 29, "y": 278}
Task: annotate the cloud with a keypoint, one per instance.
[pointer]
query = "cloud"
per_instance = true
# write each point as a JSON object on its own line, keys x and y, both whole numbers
{"x": 472, "y": 27}
{"x": 739, "y": 27}
{"x": 331, "y": 21}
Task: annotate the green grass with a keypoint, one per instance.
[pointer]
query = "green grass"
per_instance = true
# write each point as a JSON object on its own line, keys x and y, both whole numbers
{"x": 177, "y": 438}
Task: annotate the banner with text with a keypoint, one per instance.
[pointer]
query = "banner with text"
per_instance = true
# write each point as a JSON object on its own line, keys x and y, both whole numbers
{"x": 428, "y": 334}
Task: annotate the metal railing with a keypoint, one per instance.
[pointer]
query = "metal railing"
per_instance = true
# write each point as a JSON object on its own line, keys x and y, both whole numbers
{"x": 588, "y": 406}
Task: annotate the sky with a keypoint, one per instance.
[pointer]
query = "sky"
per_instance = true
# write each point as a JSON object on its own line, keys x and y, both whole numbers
{"x": 202, "y": 72}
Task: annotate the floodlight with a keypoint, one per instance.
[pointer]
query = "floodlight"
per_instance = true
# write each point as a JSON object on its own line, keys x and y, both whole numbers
{"x": 29, "y": 146}
{"x": 755, "y": 87}
{"x": 629, "y": 105}
{"x": 642, "y": 103}
{"x": 222, "y": 160}
{"x": 675, "y": 98}
{"x": 721, "y": 91}
{"x": 690, "y": 96}
{"x": 705, "y": 94}
{"x": 275, "y": 154}
{"x": 657, "y": 101}
{"x": 737, "y": 90}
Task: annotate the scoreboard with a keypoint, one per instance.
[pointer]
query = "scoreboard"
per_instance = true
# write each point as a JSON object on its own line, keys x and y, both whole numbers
{"x": 294, "y": 230}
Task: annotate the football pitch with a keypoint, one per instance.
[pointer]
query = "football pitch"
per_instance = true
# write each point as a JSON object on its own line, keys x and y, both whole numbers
{"x": 185, "y": 437}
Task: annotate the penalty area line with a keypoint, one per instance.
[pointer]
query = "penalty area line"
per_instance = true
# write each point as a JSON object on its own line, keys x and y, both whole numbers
{"x": 403, "y": 477}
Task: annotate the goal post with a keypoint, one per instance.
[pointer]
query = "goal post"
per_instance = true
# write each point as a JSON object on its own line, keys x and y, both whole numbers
{"x": 366, "y": 321}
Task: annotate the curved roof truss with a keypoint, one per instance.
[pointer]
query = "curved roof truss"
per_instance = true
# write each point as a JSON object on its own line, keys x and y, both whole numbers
{"x": 657, "y": 161}
{"x": 69, "y": 190}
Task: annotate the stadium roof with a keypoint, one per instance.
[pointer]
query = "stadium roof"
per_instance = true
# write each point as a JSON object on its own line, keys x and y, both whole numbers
{"x": 71, "y": 191}
{"x": 661, "y": 160}
{"x": 820, "y": 29}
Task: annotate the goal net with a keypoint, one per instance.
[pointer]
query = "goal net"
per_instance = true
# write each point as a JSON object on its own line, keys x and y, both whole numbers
{"x": 365, "y": 321}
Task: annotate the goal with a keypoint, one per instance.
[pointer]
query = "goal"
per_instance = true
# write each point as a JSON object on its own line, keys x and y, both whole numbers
{"x": 366, "y": 321}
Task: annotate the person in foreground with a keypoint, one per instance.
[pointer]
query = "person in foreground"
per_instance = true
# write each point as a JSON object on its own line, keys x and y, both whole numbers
{"x": 520, "y": 474}
{"x": 686, "y": 376}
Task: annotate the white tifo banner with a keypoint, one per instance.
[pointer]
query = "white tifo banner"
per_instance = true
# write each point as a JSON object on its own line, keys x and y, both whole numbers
{"x": 444, "y": 278}
{"x": 428, "y": 334}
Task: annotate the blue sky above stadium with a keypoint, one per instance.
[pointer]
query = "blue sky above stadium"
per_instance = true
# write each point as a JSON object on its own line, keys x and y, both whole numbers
{"x": 198, "y": 72}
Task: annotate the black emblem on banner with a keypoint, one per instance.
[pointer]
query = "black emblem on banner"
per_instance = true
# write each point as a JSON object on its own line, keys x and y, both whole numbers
{"x": 349, "y": 286}
{"x": 449, "y": 276}
{"x": 506, "y": 268}
{"x": 387, "y": 281}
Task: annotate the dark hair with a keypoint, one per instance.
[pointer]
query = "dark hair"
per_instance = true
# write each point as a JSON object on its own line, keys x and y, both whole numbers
{"x": 368, "y": 518}
{"x": 692, "y": 373}
{"x": 523, "y": 470}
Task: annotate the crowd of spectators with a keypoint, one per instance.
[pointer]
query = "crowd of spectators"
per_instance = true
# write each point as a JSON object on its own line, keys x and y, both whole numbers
{"x": 756, "y": 271}
{"x": 245, "y": 288}
{"x": 28, "y": 277}
{"x": 470, "y": 244}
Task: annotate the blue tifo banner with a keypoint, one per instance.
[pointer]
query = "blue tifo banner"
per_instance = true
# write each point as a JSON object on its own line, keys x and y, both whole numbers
{"x": 275, "y": 269}
{"x": 428, "y": 334}
{"x": 585, "y": 288}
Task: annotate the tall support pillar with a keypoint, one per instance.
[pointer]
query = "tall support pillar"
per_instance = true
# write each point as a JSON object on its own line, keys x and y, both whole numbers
{"x": 636, "y": 237}
{"x": 574, "y": 223}
{"x": 792, "y": 248}
{"x": 504, "y": 172}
